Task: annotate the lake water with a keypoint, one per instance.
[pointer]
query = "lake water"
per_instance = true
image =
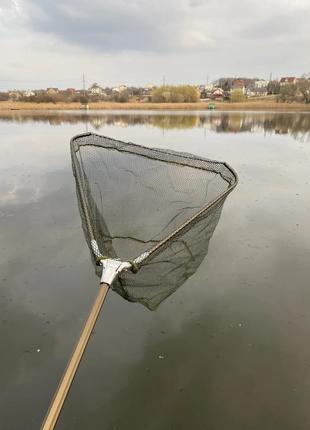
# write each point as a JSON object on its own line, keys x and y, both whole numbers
{"x": 228, "y": 350}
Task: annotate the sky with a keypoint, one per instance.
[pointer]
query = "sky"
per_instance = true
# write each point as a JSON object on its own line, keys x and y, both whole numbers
{"x": 137, "y": 42}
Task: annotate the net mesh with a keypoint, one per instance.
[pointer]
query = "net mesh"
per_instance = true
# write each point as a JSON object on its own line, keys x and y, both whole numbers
{"x": 157, "y": 208}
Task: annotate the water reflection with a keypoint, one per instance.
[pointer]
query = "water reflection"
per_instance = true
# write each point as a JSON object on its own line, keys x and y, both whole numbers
{"x": 295, "y": 124}
{"x": 233, "y": 337}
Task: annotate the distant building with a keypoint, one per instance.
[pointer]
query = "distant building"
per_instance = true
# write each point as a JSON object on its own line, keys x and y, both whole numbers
{"x": 28, "y": 93}
{"x": 52, "y": 91}
{"x": 261, "y": 91}
{"x": 253, "y": 91}
{"x": 208, "y": 88}
{"x": 96, "y": 90}
{"x": 205, "y": 91}
{"x": 238, "y": 84}
{"x": 288, "y": 80}
{"x": 218, "y": 94}
{"x": 261, "y": 83}
{"x": 120, "y": 88}
{"x": 225, "y": 83}
{"x": 250, "y": 92}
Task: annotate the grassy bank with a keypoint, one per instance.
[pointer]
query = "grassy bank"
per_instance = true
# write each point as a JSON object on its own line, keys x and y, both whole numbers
{"x": 255, "y": 105}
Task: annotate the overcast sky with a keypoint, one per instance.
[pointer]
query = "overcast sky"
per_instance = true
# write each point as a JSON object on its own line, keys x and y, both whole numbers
{"x": 51, "y": 43}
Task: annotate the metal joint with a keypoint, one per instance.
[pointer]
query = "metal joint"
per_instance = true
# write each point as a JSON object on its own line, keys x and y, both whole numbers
{"x": 111, "y": 268}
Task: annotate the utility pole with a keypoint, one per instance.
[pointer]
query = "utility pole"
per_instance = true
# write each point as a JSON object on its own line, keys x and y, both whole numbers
{"x": 85, "y": 103}
{"x": 164, "y": 80}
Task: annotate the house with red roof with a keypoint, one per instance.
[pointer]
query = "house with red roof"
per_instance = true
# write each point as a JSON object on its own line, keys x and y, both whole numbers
{"x": 288, "y": 80}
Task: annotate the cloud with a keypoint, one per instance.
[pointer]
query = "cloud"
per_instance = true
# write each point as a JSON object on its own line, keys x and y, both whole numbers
{"x": 10, "y": 10}
{"x": 118, "y": 25}
{"x": 165, "y": 25}
{"x": 9, "y": 5}
{"x": 288, "y": 23}
{"x": 137, "y": 41}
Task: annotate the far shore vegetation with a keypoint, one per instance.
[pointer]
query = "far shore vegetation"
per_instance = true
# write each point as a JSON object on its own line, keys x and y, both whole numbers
{"x": 175, "y": 94}
{"x": 264, "y": 104}
{"x": 228, "y": 94}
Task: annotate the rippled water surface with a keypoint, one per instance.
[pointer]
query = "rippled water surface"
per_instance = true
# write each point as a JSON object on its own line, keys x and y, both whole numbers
{"x": 228, "y": 350}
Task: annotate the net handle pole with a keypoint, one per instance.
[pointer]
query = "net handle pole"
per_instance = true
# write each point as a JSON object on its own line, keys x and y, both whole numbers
{"x": 60, "y": 396}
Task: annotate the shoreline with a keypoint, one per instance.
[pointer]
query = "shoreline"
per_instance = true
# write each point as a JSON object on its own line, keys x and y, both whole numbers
{"x": 251, "y": 105}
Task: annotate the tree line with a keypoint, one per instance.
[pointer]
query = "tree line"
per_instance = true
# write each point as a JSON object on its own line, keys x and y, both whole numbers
{"x": 175, "y": 94}
{"x": 297, "y": 92}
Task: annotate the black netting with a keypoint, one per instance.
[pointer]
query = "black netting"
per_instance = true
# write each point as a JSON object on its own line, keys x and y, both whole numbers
{"x": 157, "y": 207}
{"x": 160, "y": 275}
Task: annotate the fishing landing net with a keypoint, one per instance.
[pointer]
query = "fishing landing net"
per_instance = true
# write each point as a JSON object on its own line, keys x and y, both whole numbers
{"x": 148, "y": 216}
{"x": 154, "y": 209}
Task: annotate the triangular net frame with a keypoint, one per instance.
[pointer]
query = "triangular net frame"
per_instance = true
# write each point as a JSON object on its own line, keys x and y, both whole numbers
{"x": 155, "y": 208}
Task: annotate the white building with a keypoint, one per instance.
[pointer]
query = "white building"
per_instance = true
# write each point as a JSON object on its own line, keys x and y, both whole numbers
{"x": 261, "y": 83}
{"x": 120, "y": 88}
{"x": 96, "y": 90}
{"x": 28, "y": 93}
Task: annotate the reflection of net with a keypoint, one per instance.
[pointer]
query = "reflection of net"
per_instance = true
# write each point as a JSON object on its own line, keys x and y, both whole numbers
{"x": 154, "y": 207}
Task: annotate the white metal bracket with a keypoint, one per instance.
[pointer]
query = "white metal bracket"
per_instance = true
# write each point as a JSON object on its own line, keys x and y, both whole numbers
{"x": 111, "y": 268}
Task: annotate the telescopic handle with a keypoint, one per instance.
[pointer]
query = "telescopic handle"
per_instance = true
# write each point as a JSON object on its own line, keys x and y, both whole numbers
{"x": 67, "y": 378}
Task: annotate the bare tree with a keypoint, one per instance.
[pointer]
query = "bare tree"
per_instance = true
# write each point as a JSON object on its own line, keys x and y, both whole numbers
{"x": 304, "y": 89}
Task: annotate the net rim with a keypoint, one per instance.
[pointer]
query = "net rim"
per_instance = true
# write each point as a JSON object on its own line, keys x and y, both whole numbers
{"x": 187, "y": 155}
{"x": 203, "y": 211}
